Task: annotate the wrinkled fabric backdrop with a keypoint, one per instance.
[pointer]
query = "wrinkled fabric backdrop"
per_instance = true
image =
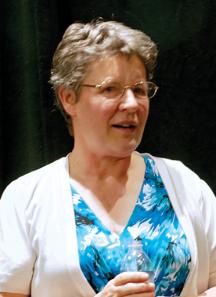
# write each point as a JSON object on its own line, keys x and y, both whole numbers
{"x": 182, "y": 120}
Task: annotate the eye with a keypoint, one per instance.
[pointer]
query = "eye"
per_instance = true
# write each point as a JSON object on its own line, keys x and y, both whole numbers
{"x": 110, "y": 90}
{"x": 140, "y": 90}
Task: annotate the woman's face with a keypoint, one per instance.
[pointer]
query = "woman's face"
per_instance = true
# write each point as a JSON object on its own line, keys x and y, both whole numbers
{"x": 104, "y": 126}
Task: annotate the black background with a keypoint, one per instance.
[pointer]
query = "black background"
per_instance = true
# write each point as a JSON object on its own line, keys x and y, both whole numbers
{"x": 182, "y": 119}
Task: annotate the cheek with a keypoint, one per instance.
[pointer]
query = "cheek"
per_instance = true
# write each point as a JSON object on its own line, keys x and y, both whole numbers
{"x": 106, "y": 110}
{"x": 144, "y": 111}
{"x": 98, "y": 115}
{"x": 146, "y": 104}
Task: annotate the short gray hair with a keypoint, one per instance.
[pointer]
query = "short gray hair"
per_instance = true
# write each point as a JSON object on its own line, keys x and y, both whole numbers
{"x": 82, "y": 43}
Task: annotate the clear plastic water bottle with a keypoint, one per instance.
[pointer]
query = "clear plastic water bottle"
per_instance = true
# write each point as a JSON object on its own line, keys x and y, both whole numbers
{"x": 137, "y": 260}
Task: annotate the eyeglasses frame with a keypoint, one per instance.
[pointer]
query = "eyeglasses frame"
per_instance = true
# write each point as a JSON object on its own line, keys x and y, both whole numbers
{"x": 98, "y": 86}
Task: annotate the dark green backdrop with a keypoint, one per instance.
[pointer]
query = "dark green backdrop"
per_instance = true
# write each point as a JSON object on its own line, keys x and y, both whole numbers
{"x": 182, "y": 121}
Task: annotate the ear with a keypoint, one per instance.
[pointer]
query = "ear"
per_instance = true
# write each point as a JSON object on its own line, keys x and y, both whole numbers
{"x": 68, "y": 100}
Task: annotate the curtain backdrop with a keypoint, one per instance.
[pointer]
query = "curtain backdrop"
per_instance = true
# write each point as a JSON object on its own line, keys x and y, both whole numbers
{"x": 182, "y": 120}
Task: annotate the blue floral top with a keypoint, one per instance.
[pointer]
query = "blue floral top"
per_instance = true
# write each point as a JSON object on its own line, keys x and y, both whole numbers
{"x": 153, "y": 223}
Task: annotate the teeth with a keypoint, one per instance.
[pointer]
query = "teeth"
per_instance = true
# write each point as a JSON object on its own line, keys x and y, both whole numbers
{"x": 126, "y": 125}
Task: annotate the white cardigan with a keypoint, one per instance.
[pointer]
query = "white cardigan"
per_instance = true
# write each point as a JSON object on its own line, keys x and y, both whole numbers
{"x": 38, "y": 245}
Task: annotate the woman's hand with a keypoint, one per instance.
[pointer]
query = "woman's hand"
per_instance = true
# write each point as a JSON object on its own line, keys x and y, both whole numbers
{"x": 129, "y": 284}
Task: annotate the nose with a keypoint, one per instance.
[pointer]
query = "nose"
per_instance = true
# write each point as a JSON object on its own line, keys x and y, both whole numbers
{"x": 128, "y": 100}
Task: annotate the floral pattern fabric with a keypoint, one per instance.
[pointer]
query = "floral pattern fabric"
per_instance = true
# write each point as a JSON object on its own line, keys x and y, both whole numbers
{"x": 153, "y": 223}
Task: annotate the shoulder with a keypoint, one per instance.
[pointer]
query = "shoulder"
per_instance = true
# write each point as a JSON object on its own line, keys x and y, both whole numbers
{"x": 33, "y": 177}
{"x": 174, "y": 168}
{"x": 185, "y": 181}
{"x": 25, "y": 186}
{"x": 177, "y": 175}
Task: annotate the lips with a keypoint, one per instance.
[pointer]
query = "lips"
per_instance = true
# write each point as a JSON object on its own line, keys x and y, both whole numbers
{"x": 125, "y": 125}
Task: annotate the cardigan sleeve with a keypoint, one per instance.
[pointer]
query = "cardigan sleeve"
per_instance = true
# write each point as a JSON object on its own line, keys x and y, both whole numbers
{"x": 208, "y": 208}
{"x": 16, "y": 255}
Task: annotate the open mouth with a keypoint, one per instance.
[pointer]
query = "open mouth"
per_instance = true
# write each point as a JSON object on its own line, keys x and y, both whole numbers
{"x": 124, "y": 126}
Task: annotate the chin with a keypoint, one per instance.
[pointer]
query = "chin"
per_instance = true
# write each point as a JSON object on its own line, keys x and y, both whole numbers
{"x": 124, "y": 152}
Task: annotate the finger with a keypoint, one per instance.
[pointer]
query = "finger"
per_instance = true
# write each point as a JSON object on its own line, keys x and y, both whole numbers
{"x": 130, "y": 289}
{"x": 132, "y": 277}
{"x": 152, "y": 294}
{"x": 135, "y": 289}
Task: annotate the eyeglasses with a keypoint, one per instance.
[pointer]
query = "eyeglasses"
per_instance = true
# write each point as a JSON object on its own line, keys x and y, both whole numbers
{"x": 142, "y": 90}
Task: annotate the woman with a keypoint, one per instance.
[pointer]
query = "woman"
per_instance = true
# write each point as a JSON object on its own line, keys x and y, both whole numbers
{"x": 73, "y": 220}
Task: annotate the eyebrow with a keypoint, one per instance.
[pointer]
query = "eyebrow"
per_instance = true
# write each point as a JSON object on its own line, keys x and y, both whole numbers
{"x": 113, "y": 80}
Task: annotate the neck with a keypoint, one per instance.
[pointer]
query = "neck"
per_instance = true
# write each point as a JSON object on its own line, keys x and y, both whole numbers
{"x": 97, "y": 167}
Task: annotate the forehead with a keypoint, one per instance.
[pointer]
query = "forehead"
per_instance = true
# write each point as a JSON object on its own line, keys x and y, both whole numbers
{"x": 116, "y": 67}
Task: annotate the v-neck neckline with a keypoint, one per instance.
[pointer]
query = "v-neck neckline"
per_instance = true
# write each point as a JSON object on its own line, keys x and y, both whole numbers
{"x": 100, "y": 223}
